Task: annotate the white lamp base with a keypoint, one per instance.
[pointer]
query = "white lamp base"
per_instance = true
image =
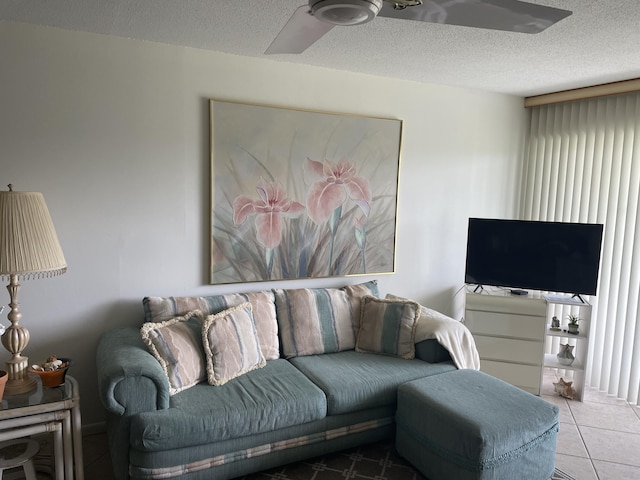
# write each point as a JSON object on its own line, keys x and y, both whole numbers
{"x": 19, "y": 380}
{"x": 15, "y": 340}
{"x": 24, "y": 385}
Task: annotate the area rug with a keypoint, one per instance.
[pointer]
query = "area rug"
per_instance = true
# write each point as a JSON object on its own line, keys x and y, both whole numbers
{"x": 378, "y": 461}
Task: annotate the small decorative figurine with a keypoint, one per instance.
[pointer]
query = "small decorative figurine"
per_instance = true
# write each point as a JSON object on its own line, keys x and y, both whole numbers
{"x": 564, "y": 389}
{"x": 565, "y": 355}
{"x": 555, "y": 323}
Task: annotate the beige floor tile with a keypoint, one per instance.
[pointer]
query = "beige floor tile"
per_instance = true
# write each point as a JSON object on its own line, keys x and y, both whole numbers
{"x": 561, "y": 403}
{"x": 547, "y": 387}
{"x": 548, "y": 377}
{"x": 592, "y": 395}
{"x": 570, "y": 441}
{"x": 611, "y": 446}
{"x": 604, "y": 415}
{"x": 578, "y": 467}
{"x": 567, "y": 375}
{"x": 616, "y": 471}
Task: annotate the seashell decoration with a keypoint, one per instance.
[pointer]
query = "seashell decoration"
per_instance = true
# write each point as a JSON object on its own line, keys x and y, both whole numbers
{"x": 52, "y": 363}
{"x": 564, "y": 389}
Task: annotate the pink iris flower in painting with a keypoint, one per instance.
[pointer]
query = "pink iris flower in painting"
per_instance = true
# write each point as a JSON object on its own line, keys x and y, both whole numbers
{"x": 332, "y": 184}
{"x": 270, "y": 209}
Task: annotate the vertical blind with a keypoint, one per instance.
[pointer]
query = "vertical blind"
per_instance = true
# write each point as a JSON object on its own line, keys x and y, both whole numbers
{"x": 582, "y": 164}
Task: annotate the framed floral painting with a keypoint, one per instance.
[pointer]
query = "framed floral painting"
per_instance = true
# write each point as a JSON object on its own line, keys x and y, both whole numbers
{"x": 298, "y": 194}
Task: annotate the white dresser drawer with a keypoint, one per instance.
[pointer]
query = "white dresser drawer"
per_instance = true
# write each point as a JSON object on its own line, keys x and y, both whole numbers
{"x": 526, "y": 377}
{"x": 505, "y": 324}
{"x": 521, "y": 351}
{"x": 506, "y": 304}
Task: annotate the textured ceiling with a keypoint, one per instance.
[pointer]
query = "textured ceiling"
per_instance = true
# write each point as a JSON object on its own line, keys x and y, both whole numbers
{"x": 599, "y": 43}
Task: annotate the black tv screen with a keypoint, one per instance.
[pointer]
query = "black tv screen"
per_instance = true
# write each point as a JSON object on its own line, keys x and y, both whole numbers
{"x": 523, "y": 254}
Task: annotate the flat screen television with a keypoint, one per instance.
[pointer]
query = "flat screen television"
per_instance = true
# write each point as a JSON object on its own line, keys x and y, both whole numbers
{"x": 523, "y": 254}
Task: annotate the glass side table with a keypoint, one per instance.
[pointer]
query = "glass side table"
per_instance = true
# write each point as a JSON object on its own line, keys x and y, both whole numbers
{"x": 43, "y": 410}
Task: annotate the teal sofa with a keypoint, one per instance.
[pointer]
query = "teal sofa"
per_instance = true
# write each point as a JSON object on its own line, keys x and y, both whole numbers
{"x": 296, "y": 406}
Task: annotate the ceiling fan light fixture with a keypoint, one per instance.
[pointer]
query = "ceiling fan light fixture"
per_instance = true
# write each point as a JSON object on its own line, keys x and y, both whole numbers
{"x": 345, "y": 12}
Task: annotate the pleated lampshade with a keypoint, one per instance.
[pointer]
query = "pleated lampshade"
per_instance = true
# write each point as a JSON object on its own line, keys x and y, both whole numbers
{"x": 29, "y": 245}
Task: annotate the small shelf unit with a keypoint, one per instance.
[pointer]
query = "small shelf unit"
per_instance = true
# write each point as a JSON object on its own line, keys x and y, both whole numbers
{"x": 561, "y": 306}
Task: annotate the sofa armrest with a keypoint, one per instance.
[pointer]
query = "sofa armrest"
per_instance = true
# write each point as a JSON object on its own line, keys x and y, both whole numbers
{"x": 431, "y": 351}
{"x": 130, "y": 379}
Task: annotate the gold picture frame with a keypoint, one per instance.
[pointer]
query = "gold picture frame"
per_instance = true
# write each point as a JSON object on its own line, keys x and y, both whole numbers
{"x": 300, "y": 194}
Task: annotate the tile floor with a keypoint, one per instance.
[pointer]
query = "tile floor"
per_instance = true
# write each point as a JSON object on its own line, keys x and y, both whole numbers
{"x": 599, "y": 439}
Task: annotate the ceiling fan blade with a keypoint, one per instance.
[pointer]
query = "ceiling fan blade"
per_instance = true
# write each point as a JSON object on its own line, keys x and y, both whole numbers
{"x": 508, "y": 15}
{"x": 300, "y": 32}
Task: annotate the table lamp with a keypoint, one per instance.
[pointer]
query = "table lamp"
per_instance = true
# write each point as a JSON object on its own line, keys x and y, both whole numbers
{"x": 29, "y": 248}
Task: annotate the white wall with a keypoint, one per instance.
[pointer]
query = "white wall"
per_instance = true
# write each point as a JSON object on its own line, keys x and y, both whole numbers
{"x": 114, "y": 133}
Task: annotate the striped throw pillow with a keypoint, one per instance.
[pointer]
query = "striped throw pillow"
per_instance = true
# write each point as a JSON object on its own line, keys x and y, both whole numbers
{"x": 177, "y": 345}
{"x": 355, "y": 294}
{"x": 231, "y": 344}
{"x": 388, "y": 327}
{"x": 314, "y": 321}
{"x": 158, "y": 309}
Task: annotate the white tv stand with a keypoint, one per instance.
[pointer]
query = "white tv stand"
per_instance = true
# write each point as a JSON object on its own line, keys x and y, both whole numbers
{"x": 513, "y": 332}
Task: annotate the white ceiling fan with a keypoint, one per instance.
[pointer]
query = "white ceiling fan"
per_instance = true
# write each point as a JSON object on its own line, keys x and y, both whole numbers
{"x": 310, "y": 22}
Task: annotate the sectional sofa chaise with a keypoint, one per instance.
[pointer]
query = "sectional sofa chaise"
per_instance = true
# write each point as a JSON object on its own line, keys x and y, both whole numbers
{"x": 221, "y": 386}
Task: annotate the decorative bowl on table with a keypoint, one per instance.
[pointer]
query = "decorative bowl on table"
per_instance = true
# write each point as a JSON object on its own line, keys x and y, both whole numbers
{"x": 52, "y": 372}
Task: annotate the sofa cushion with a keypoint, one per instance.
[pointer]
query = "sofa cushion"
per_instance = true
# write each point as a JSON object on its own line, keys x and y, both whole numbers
{"x": 177, "y": 345}
{"x": 276, "y": 396}
{"x": 388, "y": 327}
{"x": 355, "y": 381}
{"x": 158, "y": 309}
{"x": 237, "y": 457}
{"x": 314, "y": 321}
{"x": 231, "y": 344}
{"x": 356, "y": 293}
